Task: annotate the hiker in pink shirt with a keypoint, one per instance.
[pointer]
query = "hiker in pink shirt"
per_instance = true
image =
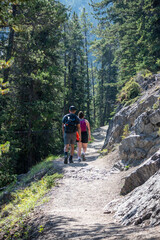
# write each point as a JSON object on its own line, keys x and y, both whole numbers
{"x": 85, "y": 136}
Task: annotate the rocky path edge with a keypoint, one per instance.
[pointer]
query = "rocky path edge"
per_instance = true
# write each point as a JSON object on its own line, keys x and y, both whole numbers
{"x": 75, "y": 209}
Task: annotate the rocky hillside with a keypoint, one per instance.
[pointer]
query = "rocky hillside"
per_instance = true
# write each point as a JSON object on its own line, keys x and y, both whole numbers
{"x": 135, "y": 129}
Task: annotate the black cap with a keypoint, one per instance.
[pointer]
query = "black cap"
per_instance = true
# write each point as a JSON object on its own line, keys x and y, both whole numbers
{"x": 72, "y": 108}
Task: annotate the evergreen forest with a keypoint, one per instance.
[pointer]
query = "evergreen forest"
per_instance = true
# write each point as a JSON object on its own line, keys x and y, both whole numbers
{"x": 52, "y": 58}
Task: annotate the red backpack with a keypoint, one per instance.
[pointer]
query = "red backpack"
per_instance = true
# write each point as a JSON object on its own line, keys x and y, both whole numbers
{"x": 83, "y": 125}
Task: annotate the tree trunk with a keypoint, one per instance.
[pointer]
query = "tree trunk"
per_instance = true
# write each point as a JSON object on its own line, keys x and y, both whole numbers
{"x": 65, "y": 72}
{"x": 93, "y": 91}
{"x": 73, "y": 76}
{"x": 88, "y": 82}
{"x": 102, "y": 96}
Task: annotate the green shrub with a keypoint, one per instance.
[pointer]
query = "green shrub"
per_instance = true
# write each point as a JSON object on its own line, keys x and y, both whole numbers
{"x": 113, "y": 112}
{"x": 24, "y": 199}
{"x": 51, "y": 179}
{"x": 6, "y": 178}
{"x": 104, "y": 152}
{"x": 127, "y": 167}
{"x": 142, "y": 101}
{"x": 158, "y": 62}
{"x": 130, "y": 91}
{"x": 131, "y": 101}
{"x": 125, "y": 131}
{"x": 145, "y": 73}
{"x": 92, "y": 139}
{"x": 157, "y": 104}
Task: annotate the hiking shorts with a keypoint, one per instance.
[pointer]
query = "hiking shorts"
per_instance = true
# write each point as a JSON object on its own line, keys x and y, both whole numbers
{"x": 84, "y": 136}
{"x": 69, "y": 138}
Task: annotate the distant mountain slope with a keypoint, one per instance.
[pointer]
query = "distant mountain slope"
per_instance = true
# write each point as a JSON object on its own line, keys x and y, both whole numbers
{"x": 78, "y": 5}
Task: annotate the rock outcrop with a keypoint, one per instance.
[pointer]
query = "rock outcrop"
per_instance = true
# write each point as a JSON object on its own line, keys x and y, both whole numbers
{"x": 142, "y": 205}
{"x": 144, "y": 139}
{"x": 142, "y": 174}
{"x": 135, "y": 116}
{"x": 141, "y": 149}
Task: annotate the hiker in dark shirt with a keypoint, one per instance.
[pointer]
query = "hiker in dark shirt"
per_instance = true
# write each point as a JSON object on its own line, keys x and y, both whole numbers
{"x": 85, "y": 136}
{"x": 70, "y": 124}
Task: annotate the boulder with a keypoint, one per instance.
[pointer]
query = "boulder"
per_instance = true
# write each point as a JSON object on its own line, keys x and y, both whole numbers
{"x": 142, "y": 104}
{"x": 143, "y": 125}
{"x": 155, "y": 117}
{"x": 115, "y": 129}
{"x": 144, "y": 139}
{"x": 155, "y": 148}
{"x": 157, "y": 76}
{"x": 142, "y": 205}
{"x": 128, "y": 115}
{"x": 141, "y": 174}
{"x": 147, "y": 123}
{"x": 135, "y": 147}
{"x": 111, "y": 206}
{"x": 147, "y": 82}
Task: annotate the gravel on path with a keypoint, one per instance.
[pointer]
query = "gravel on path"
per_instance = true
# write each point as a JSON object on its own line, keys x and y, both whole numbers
{"x": 75, "y": 208}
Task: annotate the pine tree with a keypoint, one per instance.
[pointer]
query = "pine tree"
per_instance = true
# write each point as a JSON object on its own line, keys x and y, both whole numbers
{"x": 104, "y": 52}
{"x": 92, "y": 70}
{"x": 75, "y": 82}
{"x": 86, "y": 27}
{"x": 33, "y": 107}
{"x": 132, "y": 25}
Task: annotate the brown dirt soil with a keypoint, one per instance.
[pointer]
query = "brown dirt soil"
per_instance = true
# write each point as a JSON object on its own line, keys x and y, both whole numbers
{"x": 75, "y": 208}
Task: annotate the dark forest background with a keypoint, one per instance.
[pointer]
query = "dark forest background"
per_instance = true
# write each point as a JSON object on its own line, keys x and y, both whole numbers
{"x": 52, "y": 57}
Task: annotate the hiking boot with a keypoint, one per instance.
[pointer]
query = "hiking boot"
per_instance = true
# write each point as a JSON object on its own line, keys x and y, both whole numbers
{"x": 70, "y": 159}
{"x": 65, "y": 158}
{"x": 83, "y": 157}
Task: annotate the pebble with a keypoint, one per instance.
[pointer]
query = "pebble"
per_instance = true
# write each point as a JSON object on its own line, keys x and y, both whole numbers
{"x": 89, "y": 173}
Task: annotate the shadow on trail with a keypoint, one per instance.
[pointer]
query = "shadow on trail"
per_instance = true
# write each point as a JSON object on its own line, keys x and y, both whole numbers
{"x": 91, "y": 155}
{"x": 60, "y": 167}
{"x": 54, "y": 228}
{"x": 99, "y": 139}
{"x": 92, "y": 158}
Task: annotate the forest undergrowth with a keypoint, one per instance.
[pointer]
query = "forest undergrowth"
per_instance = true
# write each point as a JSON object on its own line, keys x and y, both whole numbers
{"x": 22, "y": 196}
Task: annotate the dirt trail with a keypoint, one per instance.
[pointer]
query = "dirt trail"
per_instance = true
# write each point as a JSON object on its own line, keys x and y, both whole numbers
{"x": 75, "y": 209}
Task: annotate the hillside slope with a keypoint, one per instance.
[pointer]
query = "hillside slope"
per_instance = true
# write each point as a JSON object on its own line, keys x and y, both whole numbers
{"x": 139, "y": 151}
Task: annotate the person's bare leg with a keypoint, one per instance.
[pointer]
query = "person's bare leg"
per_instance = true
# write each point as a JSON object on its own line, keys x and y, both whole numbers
{"x": 66, "y": 147}
{"x": 79, "y": 146}
{"x": 84, "y": 147}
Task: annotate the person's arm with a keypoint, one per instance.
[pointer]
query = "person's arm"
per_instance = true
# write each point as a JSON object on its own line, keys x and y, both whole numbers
{"x": 79, "y": 131}
{"x": 63, "y": 124}
{"x": 89, "y": 130}
{"x": 63, "y": 128}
